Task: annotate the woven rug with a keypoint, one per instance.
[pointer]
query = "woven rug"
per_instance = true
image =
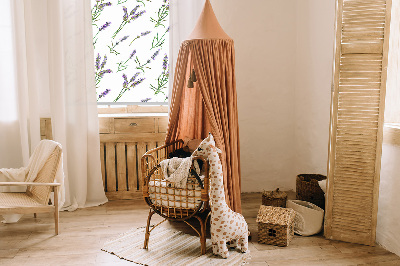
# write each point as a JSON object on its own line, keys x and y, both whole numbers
{"x": 167, "y": 247}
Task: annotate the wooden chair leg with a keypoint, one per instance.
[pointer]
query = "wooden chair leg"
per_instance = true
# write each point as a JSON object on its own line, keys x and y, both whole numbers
{"x": 147, "y": 235}
{"x": 34, "y": 215}
{"x": 203, "y": 232}
{"x": 203, "y": 236}
{"x": 56, "y": 211}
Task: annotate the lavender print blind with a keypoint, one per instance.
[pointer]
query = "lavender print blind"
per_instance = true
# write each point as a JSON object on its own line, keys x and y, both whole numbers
{"x": 130, "y": 39}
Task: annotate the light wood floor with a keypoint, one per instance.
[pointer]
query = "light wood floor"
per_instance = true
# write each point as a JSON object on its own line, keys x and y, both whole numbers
{"x": 82, "y": 233}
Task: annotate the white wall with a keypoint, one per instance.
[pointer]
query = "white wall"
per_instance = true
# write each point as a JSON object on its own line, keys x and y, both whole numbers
{"x": 284, "y": 52}
{"x": 314, "y": 60}
{"x": 388, "y": 227}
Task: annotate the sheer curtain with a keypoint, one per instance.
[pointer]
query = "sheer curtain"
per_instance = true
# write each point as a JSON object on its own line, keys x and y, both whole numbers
{"x": 54, "y": 77}
{"x": 182, "y": 19}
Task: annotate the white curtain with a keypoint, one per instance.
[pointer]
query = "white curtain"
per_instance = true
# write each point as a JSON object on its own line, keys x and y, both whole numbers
{"x": 182, "y": 19}
{"x": 54, "y": 77}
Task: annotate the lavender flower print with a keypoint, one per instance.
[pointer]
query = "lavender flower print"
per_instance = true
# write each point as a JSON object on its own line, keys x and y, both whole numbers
{"x": 128, "y": 18}
{"x": 126, "y": 86}
{"x": 113, "y": 46}
{"x": 100, "y": 71}
{"x": 145, "y": 100}
{"x": 105, "y": 26}
{"x": 98, "y": 58}
{"x": 139, "y": 36}
{"x": 104, "y": 93}
{"x": 155, "y": 54}
{"x": 129, "y": 36}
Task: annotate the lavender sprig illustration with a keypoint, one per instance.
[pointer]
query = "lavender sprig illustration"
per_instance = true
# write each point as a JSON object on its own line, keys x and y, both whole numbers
{"x": 162, "y": 16}
{"x": 96, "y": 12}
{"x": 128, "y": 85}
{"x": 162, "y": 79}
{"x": 144, "y": 66}
{"x": 123, "y": 64}
{"x": 103, "y": 27}
{"x": 97, "y": 9}
{"x": 113, "y": 45}
{"x": 158, "y": 41}
{"x": 145, "y": 100}
{"x": 100, "y": 71}
{"x": 103, "y": 94}
{"x": 142, "y": 2}
{"x": 128, "y": 18}
{"x": 141, "y": 35}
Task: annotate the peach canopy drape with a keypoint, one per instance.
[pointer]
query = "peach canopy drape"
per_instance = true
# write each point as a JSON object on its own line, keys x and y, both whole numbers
{"x": 211, "y": 106}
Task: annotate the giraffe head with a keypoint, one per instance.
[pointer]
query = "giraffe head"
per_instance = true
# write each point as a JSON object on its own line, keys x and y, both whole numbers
{"x": 206, "y": 147}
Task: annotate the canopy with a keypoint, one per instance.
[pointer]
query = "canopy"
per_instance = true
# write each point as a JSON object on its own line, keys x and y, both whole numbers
{"x": 208, "y": 102}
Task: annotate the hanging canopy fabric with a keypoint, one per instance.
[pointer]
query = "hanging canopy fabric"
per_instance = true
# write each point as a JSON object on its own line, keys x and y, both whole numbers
{"x": 210, "y": 106}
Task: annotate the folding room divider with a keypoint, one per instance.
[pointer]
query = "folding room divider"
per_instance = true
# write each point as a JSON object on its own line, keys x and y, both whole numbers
{"x": 358, "y": 98}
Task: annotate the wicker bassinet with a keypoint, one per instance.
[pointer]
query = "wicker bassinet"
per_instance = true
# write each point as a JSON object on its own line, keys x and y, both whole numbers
{"x": 175, "y": 203}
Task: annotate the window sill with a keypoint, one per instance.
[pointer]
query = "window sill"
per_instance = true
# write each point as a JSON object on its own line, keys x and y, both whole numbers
{"x": 132, "y": 110}
{"x": 127, "y": 115}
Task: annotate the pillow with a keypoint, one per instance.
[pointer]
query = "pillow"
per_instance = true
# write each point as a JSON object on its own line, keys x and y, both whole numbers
{"x": 322, "y": 184}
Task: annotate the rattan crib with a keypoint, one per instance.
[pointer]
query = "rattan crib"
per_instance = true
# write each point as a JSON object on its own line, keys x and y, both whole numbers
{"x": 170, "y": 202}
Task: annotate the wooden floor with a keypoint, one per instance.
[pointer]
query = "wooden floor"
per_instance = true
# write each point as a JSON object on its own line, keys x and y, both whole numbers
{"x": 82, "y": 233}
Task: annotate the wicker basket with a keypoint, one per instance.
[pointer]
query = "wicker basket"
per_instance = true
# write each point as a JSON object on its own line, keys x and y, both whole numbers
{"x": 308, "y": 189}
{"x": 275, "y": 225}
{"x": 274, "y": 198}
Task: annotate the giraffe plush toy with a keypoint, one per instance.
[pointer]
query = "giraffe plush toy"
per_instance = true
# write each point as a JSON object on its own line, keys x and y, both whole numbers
{"x": 226, "y": 225}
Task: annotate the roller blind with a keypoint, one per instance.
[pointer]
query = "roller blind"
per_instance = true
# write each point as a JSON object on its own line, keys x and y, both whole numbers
{"x": 358, "y": 97}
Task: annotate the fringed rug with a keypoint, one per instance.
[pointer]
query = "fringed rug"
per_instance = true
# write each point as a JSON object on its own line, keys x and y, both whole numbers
{"x": 168, "y": 247}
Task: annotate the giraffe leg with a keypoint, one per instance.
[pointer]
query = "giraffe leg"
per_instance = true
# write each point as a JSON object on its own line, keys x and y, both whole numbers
{"x": 222, "y": 249}
{"x": 215, "y": 248}
{"x": 243, "y": 243}
{"x": 232, "y": 244}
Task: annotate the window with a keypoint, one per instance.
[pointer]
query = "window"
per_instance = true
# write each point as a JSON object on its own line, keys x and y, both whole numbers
{"x": 130, "y": 39}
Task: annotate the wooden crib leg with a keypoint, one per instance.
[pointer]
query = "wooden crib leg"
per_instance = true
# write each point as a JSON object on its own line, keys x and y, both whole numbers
{"x": 147, "y": 235}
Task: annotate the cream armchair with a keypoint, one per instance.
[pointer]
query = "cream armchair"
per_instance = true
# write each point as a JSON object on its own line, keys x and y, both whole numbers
{"x": 36, "y": 197}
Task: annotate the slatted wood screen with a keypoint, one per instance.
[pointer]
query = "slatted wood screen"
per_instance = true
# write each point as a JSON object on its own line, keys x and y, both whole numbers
{"x": 123, "y": 141}
{"x": 358, "y": 95}
{"x": 121, "y": 168}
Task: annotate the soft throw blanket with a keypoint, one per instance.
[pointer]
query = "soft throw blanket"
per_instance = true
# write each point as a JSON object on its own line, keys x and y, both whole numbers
{"x": 176, "y": 170}
{"x": 29, "y": 173}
